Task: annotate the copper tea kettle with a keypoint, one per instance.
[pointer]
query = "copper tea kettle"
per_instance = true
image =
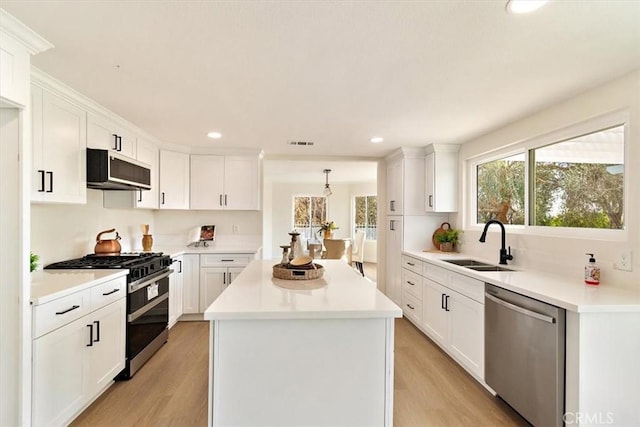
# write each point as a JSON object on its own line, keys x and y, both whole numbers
{"x": 107, "y": 246}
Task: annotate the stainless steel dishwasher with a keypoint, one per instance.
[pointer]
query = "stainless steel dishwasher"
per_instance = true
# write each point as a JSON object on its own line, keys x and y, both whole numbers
{"x": 524, "y": 354}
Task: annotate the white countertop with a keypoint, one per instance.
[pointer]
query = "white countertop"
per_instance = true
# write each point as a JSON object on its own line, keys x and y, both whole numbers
{"x": 341, "y": 293}
{"x": 47, "y": 285}
{"x": 566, "y": 292}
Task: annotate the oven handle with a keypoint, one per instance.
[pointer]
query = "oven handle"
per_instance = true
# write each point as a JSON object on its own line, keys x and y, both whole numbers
{"x": 149, "y": 280}
{"x": 141, "y": 311}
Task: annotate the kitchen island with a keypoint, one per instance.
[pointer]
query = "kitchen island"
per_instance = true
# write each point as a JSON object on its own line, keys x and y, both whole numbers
{"x": 290, "y": 353}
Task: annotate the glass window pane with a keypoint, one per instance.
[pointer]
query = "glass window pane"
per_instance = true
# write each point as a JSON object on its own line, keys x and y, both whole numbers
{"x": 301, "y": 212}
{"x": 580, "y": 182}
{"x": 361, "y": 211}
{"x": 500, "y": 186}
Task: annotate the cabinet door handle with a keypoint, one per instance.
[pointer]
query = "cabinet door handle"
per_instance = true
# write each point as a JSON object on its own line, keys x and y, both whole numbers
{"x": 392, "y": 225}
{"x": 221, "y": 200}
{"x": 90, "y": 335}
{"x": 119, "y": 143}
{"x": 392, "y": 205}
{"x": 97, "y": 323}
{"x": 411, "y": 307}
{"x": 162, "y": 198}
{"x": 50, "y": 173}
{"x": 41, "y": 189}
{"x": 110, "y": 292}
{"x": 139, "y": 195}
{"x": 67, "y": 310}
{"x": 115, "y": 142}
{"x": 446, "y": 303}
{"x": 225, "y": 200}
{"x": 430, "y": 200}
{"x": 442, "y": 301}
{"x": 180, "y": 270}
{"x": 224, "y": 278}
{"x": 229, "y": 280}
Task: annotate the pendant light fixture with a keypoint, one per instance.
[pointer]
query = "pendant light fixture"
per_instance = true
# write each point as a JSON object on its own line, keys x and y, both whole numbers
{"x": 327, "y": 190}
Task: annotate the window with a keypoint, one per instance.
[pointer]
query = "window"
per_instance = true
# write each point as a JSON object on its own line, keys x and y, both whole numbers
{"x": 501, "y": 190}
{"x": 574, "y": 182}
{"x": 309, "y": 212}
{"x": 580, "y": 182}
{"x": 366, "y": 215}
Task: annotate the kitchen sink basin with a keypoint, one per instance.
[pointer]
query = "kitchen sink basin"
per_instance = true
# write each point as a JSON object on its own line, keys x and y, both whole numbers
{"x": 476, "y": 265}
{"x": 487, "y": 268}
{"x": 467, "y": 263}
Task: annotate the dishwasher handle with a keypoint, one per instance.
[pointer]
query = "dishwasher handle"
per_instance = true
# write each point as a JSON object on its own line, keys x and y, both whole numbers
{"x": 519, "y": 309}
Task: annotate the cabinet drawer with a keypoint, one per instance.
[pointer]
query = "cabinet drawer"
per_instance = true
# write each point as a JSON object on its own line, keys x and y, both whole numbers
{"x": 108, "y": 292}
{"x": 467, "y": 286}
{"x": 225, "y": 260}
{"x": 57, "y": 313}
{"x": 412, "y": 264}
{"x": 411, "y": 307}
{"x": 435, "y": 273}
{"x": 412, "y": 283}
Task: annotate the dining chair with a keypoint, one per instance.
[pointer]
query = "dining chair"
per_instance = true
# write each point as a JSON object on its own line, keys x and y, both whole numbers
{"x": 335, "y": 248}
{"x": 357, "y": 254}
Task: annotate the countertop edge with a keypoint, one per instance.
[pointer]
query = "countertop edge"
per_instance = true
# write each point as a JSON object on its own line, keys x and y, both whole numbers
{"x": 309, "y": 315}
{"x": 76, "y": 287}
{"x": 494, "y": 279}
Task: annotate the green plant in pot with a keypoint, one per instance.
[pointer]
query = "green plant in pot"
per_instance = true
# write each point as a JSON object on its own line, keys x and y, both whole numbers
{"x": 34, "y": 261}
{"x": 448, "y": 239}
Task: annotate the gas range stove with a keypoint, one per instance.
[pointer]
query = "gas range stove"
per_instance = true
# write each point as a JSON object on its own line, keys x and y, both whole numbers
{"x": 140, "y": 264}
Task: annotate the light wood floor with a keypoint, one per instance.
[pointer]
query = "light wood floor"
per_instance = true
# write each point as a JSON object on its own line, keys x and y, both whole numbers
{"x": 171, "y": 389}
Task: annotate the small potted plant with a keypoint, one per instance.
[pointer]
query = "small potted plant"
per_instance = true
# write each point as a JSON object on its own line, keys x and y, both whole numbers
{"x": 448, "y": 239}
{"x": 327, "y": 229}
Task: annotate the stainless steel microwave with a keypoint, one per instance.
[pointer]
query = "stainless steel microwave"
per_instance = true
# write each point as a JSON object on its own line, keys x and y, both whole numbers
{"x": 111, "y": 171}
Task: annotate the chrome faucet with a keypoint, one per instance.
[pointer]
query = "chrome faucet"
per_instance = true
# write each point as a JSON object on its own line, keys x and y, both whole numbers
{"x": 504, "y": 255}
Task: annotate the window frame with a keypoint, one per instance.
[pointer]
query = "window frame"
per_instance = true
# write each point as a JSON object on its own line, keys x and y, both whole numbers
{"x": 293, "y": 211}
{"x": 616, "y": 118}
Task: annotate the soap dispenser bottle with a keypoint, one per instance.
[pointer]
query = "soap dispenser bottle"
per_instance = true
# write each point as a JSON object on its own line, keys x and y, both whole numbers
{"x": 591, "y": 272}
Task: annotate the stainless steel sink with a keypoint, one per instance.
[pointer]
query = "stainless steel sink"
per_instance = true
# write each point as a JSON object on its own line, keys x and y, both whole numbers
{"x": 487, "y": 268}
{"x": 476, "y": 265}
{"x": 466, "y": 262}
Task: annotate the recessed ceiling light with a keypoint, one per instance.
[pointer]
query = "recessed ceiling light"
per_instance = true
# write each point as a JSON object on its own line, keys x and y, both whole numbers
{"x": 524, "y": 6}
{"x": 214, "y": 135}
{"x": 376, "y": 139}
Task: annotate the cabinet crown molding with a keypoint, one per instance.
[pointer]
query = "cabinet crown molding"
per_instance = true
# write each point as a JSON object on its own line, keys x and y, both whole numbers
{"x": 405, "y": 152}
{"x": 11, "y": 27}
{"x": 441, "y": 148}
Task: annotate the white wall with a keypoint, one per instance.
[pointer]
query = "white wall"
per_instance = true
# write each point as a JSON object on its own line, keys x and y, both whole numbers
{"x": 60, "y": 231}
{"x": 567, "y": 255}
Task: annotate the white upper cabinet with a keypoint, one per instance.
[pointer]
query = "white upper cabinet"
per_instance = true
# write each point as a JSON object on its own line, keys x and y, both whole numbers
{"x": 225, "y": 182}
{"x": 441, "y": 178}
{"x": 103, "y": 133}
{"x": 17, "y": 44}
{"x": 405, "y": 182}
{"x": 59, "y": 149}
{"x": 174, "y": 180}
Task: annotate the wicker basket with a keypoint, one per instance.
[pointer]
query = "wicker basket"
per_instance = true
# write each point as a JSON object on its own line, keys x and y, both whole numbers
{"x": 313, "y": 271}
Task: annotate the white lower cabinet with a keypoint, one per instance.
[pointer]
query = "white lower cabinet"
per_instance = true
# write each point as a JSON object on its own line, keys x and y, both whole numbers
{"x": 190, "y": 284}
{"x": 452, "y": 311}
{"x": 217, "y": 271}
{"x": 206, "y": 276}
{"x": 74, "y": 363}
{"x": 176, "y": 292}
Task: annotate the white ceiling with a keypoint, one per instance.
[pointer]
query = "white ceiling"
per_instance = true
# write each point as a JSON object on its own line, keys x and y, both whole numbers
{"x": 332, "y": 72}
{"x": 311, "y": 171}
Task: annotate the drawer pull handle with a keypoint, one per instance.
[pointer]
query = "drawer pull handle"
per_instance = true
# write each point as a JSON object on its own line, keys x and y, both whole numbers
{"x": 227, "y": 260}
{"x": 411, "y": 283}
{"x": 67, "y": 310}
{"x": 411, "y": 307}
{"x": 411, "y": 264}
{"x": 110, "y": 292}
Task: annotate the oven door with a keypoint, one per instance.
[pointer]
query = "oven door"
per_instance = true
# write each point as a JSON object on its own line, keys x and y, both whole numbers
{"x": 147, "y": 315}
